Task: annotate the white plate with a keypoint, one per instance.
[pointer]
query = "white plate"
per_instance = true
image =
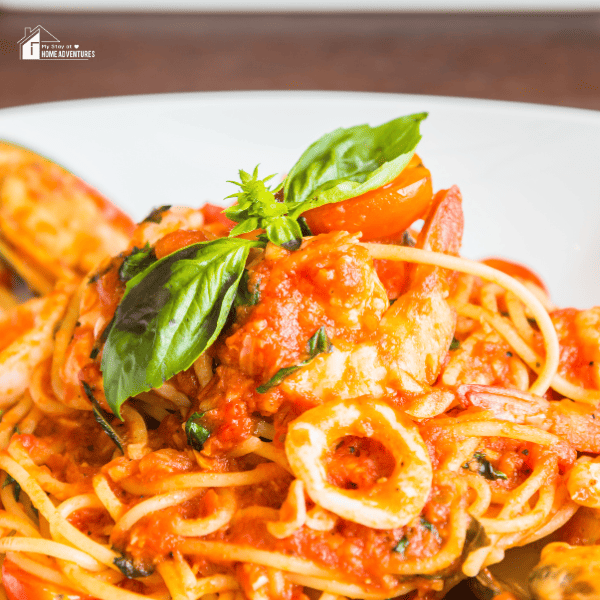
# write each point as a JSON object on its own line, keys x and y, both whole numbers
{"x": 529, "y": 174}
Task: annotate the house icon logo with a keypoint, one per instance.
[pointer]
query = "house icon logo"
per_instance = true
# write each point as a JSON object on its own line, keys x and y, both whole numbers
{"x": 31, "y": 42}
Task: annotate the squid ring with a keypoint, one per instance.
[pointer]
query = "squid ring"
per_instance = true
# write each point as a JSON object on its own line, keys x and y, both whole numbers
{"x": 391, "y": 502}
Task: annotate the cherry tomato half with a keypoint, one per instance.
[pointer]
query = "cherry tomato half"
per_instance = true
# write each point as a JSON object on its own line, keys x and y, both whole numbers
{"x": 382, "y": 212}
{"x": 515, "y": 270}
{"x": 20, "y": 585}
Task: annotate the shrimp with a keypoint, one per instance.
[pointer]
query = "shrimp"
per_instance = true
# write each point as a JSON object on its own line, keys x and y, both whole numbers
{"x": 96, "y": 302}
{"x": 26, "y": 339}
{"x": 587, "y": 328}
{"x": 574, "y": 422}
{"x": 566, "y": 572}
{"x": 53, "y": 226}
{"x": 407, "y": 350}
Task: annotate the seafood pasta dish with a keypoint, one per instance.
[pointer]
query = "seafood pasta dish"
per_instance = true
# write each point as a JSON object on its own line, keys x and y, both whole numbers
{"x": 309, "y": 395}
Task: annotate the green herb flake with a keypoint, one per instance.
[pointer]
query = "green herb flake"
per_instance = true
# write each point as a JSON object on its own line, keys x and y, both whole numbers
{"x": 402, "y": 545}
{"x": 139, "y": 260}
{"x": 455, "y": 344}
{"x": 196, "y": 433}
{"x": 408, "y": 240}
{"x": 16, "y": 486}
{"x": 131, "y": 569}
{"x": 156, "y": 214}
{"x": 485, "y": 468}
{"x": 430, "y": 527}
{"x": 102, "y": 417}
{"x": 317, "y": 344}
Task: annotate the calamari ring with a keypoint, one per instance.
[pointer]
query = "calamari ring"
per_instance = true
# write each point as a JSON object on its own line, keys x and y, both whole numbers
{"x": 391, "y": 502}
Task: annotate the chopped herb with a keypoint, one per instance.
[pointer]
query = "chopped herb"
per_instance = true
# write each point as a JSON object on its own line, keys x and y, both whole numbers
{"x": 16, "y": 486}
{"x": 352, "y": 449}
{"x": 591, "y": 363}
{"x": 155, "y": 215}
{"x": 401, "y": 546}
{"x": 485, "y": 468}
{"x": 100, "y": 274}
{"x": 525, "y": 452}
{"x": 196, "y": 433}
{"x": 102, "y": 417}
{"x": 455, "y": 344}
{"x": 408, "y": 240}
{"x": 430, "y": 527}
{"x": 17, "y": 430}
{"x": 319, "y": 343}
{"x": 509, "y": 353}
{"x": 102, "y": 339}
{"x": 139, "y": 260}
{"x": 504, "y": 313}
{"x": 131, "y": 569}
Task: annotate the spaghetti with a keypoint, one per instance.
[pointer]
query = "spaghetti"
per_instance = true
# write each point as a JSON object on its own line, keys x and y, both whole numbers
{"x": 373, "y": 421}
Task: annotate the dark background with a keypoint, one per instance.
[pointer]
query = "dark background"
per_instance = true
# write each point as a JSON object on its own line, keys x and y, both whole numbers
{"x": 545, "y": 58}
{"x": 549, "y": 58}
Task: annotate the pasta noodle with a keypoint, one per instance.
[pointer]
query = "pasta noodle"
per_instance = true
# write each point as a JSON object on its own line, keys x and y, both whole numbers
{"x": 359, "y": 419}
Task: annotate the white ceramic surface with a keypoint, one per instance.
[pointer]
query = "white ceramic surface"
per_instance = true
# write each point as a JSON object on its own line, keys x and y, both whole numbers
{"x": 529, "y": 174}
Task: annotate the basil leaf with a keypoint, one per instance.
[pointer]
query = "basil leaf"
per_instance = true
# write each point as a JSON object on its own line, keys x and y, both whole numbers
{"x": 284, "y": 232}
{"x": 455, "y": 344}
{"x": 102, "y": 417}
{"x": 139, "y": 260}
{"x": 196, "y": 433}
{"x": 317, "y": 344}
{"x": 349, "y": 162}
{"x": 170, "y": 313}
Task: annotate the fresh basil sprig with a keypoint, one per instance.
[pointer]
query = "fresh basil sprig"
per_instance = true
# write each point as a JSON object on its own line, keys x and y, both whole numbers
{"x": 170, "y": 313}
{"x": 346, "y": 163}
{"x": 257, "y": 208}
{"x": 318, "y": 344}
{"x": 340, "y": 165}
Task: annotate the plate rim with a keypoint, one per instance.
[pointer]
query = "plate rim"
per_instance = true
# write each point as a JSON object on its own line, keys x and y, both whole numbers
{"x": 458, "y": 102}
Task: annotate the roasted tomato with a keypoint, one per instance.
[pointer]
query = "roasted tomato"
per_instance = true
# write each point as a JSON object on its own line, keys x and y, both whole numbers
{"x": 20, "y": 585}
{"x": 515, "y": 270}
{"x": 380, "y": 213}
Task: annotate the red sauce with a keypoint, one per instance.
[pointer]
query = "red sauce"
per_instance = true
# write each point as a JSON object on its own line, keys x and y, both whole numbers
{"x": 358, "y": 462}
